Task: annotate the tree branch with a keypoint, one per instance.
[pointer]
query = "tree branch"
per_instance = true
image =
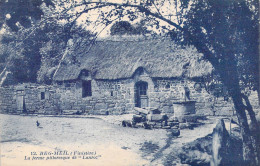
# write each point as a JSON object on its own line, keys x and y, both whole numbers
{"x": 156, "y": 8}
{"x": 139, "y": 7}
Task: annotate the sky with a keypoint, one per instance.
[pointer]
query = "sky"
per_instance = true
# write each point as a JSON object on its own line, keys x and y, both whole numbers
{"x": 104, "y": 30}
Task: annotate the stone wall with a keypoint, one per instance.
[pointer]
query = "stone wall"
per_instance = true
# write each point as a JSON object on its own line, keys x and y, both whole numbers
{"x": 110, "y": 97}
{"x": 167, "y": 91}
{"x": 29, "y": 99}
{"x": 118, "y": 96}
{"x": 42, "y": 100}
{"x": 7, "y": 100}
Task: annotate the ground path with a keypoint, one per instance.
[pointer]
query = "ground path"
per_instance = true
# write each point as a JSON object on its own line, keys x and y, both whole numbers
{"x": 116, "y": 145}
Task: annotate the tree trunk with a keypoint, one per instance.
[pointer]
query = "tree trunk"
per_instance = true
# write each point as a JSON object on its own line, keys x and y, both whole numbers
{"x": 231, "y": 81}
{"x": 254, "y": 128}
{"x": 248, "y": 150}
{"x": 229, "y": 76}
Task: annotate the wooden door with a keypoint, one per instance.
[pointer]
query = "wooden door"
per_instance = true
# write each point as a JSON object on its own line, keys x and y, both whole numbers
{"x": 141, "y": 97}
{"x": 20, "y": 101}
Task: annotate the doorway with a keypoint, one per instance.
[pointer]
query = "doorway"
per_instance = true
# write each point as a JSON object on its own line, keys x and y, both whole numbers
{"x": 141, "y": 98}
{"x": 20, "y": 101}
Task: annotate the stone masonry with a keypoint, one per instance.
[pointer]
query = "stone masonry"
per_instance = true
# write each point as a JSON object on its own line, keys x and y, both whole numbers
{"x": 108, "y": 97}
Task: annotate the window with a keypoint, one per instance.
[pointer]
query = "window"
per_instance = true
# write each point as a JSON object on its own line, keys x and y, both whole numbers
{"x": 167, "y": 86}
{"x": 86, "y": 88}
{"x": 42, "y": 95}
{"x": 197, "y": 87}
{"x": 85, "y": 72}
{"x": 140, "y": 71}
{"x": 111, "y": 93}
{"x": 142, "y": 88}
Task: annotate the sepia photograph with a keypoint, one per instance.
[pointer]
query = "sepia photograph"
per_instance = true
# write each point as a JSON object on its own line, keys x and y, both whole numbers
{"x": 129, "y": 83}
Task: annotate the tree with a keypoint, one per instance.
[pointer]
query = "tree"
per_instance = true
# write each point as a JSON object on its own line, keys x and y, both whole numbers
{"x": 23, "y": 58}
{"x": 121, "y": 28}
{"x": 58, "y": 37}
{"x": 224, "y": 31}
{"x": 21, "y": 40}
{"x": 22, "y": 11}
{"x": 124, "y": 27}
{"x": 33, "y": 52}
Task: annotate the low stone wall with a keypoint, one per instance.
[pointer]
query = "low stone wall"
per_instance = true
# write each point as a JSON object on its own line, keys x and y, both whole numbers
{"x": 8, "y": 100}
{"x": 29, "y": 99}
{"x": 42, "y": 100}
{"x": 168, "y": 91}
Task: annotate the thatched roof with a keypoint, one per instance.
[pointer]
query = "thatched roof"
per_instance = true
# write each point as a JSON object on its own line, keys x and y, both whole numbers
{"x": 116, "y": 59}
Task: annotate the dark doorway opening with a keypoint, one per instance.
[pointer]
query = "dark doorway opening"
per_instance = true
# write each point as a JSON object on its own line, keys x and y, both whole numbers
{"x": 86, "y": 89}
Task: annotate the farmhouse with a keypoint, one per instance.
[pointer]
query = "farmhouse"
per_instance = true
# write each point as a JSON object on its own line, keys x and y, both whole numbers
{"x": 118, "y": 74}
{"x": 113, "y": 76}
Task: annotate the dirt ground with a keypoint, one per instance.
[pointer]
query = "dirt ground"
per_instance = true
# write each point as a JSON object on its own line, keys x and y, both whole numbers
{"x": 92, "y": 141}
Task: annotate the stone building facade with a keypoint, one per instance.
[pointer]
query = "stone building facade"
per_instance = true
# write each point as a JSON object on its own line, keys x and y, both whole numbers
{"x": 116, "y": 75}
{"x": 117, "y": 99}
{"x": 122, "y": 95}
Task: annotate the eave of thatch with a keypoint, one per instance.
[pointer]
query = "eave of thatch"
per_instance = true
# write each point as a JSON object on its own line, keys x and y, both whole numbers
{"x": 117, "y": 59}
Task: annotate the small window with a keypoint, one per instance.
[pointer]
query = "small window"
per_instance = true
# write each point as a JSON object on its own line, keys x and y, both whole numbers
{"x": 140, "y": 71}
{"x": 42, "y": 95}
{"x": 85, "y": 73}
{"x": 167, "y": 86}
{"x": 86, "y": 89}
{"x": 197, "y": 87}
{"x": 111, "y": 93}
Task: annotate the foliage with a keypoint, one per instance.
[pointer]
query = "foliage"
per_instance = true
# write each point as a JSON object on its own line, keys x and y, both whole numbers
{"x": 22, "y": 11}
{"x": 124, "y": 27}
{"x": 56, "y": 46}
{"x": 33, "y": 52}
{"x": 22, "y": 53}
{"x": 228, "y": 29}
